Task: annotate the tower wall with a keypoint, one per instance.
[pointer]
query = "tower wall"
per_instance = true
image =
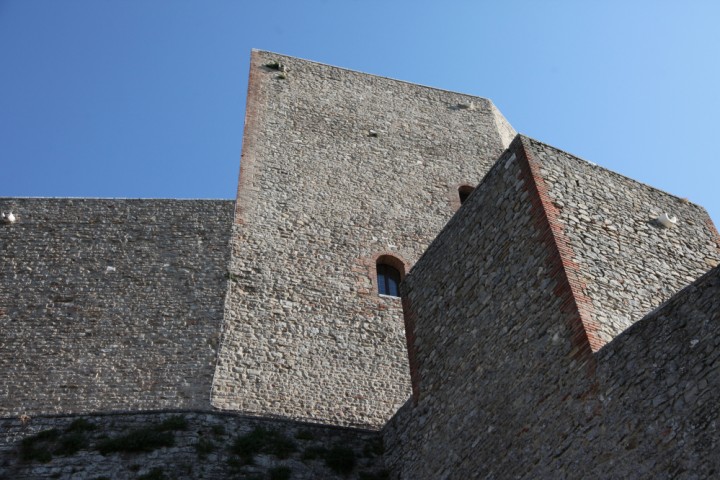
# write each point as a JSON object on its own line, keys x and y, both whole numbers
{"x": 338, "y": 168}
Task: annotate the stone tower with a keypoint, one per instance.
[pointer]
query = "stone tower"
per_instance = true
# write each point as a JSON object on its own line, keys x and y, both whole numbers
{"x": 340, "y": 171}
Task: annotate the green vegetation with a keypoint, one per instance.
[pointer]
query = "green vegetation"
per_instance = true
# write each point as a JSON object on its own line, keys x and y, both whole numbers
{"x": 204, "y": 446}
{"x": 145, "y": 439}
{"x": 70, "y": 443}
{"x": 154, "y": 474}
{"x": 305, "y": 435}
{"x": 265, "y": 441}
{"x": 176, "y": 422}
{"x": 42, "y": 446}
{"x": 231, "y": 276}
{"x": 340, "y": 459}
{"x": 137, "y": 440}
{"x": 81, "y": 425}
{"x": 280, "y": 473}
{"x": 38, "y": 448}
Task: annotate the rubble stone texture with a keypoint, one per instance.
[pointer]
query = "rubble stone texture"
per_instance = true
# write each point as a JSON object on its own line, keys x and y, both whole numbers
{"x": 539, "y": 332}
{"x": 505, "y": 380}
{"x": 629, "y": 263}
{"x": 338, "y": 168}
{"x": 110, "y": 305}
{"x": 201, "y": 445}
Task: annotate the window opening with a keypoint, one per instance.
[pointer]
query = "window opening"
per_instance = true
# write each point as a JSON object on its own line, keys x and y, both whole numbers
{"x": 388, "y": 279}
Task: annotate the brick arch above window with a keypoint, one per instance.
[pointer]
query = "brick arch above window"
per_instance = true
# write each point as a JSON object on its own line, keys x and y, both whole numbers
{"x": 369, "y": 268}
{"x": 390, "y": 271}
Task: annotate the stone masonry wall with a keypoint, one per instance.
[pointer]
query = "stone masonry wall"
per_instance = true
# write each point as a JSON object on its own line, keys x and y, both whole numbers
{"x": 505, "y": 382}
{"x": 629, "y": 264}
{"x": 111, "y": 304}
{"x": 656, "y": 410}
{"x": 338, "y": 168}
{"x": 184, "y": 445}
{"x": 493, "y": 332}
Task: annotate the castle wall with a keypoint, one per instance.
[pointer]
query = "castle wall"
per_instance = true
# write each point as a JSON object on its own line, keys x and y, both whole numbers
{"x": 505, "y": 380}
{"x": 184, "y": 445}
{"x": 657, "y": 382}
{"x": 111, "y": 304}
{"x": 306, "y": 334}
{"x": 628, "y": 264}
{"x": 493, "y": 333}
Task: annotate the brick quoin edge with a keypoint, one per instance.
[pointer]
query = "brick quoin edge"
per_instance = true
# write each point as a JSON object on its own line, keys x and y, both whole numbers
{"x": 563, "y": 268}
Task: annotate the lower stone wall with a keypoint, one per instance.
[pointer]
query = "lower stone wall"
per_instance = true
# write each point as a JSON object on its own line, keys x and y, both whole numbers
{"x": 657, "y": 413}
{"x": 648, "y": 409}
{"x": 184, "y": 445}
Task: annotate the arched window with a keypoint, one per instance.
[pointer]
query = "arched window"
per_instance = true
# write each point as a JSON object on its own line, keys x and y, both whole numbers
{"x": 388, "y": 278}
{"x": 464, "y": 192}
{"x": 390, "y": 272}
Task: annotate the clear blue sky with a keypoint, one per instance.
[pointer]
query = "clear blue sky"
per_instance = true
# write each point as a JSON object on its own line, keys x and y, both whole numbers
{"x": 146, "y": 98}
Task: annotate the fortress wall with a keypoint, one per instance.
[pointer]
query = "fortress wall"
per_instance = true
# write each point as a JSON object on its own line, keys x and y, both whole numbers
{"x": 658, "y": 385}
{"x": 495, "y": 341}
{"x": 505, "y": 387}
{"x": 188, "y": 445}
{"x": 628, "y": 263}
{"x": 306, "y": 335}
{"x": 110, "y": 304}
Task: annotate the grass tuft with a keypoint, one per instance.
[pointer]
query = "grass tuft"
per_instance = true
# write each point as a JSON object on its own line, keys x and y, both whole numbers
{"x": 138, "y": 440}
{"x": 280, "y": 473}
{"x": 340, "y": 459}
{"x": 265, "y": 441}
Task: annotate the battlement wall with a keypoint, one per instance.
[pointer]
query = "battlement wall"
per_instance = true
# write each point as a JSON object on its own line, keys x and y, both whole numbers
{"x": 338, "y": 168}
{"x": 110, "y": 305}
{"x": 655, "y": 408}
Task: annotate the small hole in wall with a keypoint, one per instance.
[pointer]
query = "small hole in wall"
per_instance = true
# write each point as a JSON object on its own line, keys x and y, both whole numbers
{"x": 464, "y": 192}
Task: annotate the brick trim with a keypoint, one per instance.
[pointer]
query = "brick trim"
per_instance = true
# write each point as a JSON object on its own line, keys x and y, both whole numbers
{"x": 713, "y": 231}
{"x": 564, "y": 268}
{"x": 367, "y": 267}
{"x": 247, "y": 187}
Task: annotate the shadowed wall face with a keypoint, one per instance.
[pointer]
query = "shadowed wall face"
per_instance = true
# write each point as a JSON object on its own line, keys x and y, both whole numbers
{"x": 338, "y": 169}
{"x": 505, "y": 381}
{"x": 492, "y": 335}
{"x": 110, "y": 305}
